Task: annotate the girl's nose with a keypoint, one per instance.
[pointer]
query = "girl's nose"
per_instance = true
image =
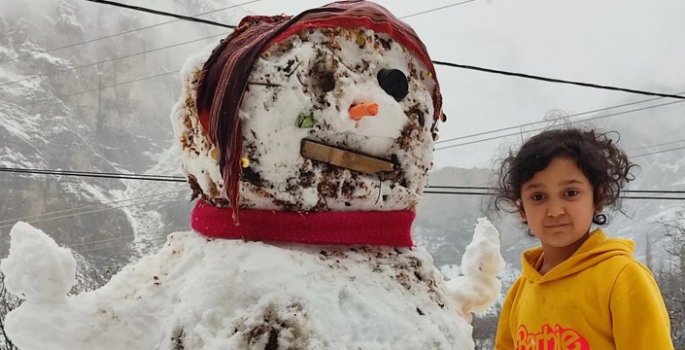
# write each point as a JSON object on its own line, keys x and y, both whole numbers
{"x": 555, "y": 209}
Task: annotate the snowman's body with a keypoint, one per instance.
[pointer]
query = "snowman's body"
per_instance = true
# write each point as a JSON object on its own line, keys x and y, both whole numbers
{"x": 198, "y": 293}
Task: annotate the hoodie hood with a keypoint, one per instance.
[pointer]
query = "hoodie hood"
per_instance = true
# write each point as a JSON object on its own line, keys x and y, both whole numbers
{"x": 595, "y": 249}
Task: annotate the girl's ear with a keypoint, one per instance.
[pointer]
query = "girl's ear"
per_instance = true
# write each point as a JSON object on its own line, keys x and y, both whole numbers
{"x": 599, "y": 206}
{"x": 599, "y": 209}
{"x": 522, "y": 212}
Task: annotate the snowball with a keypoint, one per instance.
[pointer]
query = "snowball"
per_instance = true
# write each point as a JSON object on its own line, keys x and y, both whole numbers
{"x": 37, "y": 269}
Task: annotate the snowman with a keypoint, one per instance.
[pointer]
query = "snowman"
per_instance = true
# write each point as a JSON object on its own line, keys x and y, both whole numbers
{"x": 307, "y": 141}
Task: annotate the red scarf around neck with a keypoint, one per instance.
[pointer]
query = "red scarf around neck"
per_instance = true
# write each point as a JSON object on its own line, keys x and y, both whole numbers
{"x": 379, "y": 228}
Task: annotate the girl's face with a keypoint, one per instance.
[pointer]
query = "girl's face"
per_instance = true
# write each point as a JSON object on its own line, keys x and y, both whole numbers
{"x": 557, "y": 203}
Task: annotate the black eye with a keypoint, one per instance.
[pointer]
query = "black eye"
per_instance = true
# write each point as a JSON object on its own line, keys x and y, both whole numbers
{"x": 394, "y": 82}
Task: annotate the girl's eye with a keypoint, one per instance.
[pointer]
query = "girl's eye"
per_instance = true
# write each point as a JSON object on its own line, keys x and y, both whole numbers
{"x": 537, "y": 197}
{"x": 572, "y": 193}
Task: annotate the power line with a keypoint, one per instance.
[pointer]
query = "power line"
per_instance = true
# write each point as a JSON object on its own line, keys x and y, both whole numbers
{"x": 655, "y": 198}
{"x": 193, "y": 19}
{"x": 83, "y": 213}
{"x": 540, "y": 129}
{"x": 459, "y": 193}
{"x": 161, "y": 13}
{"x": 93, "y": 211}
{"x": 492, "y": 194}
{"x": 122, "y": 237}
{"x": 96, "y": 175}
{"x": 652, "y": 146}
{"x": 426, "y": 191}
{"x": 181, "y": 179}
{"x": 130, "y": 243}
{"x": 550, "y": 120}
{"x": 35, "y": 76}
{"x": 124, "y": 33}
{"x": 462, "y": 187}
{"x": 100, "y": 241}
{"x": 554, "y": 80}
{"x": 448, "y": 64}
{"x": 85, "y": 207}
{"x": 493, "y": 188}
{"x": 86, "y": 173}
{"x": 436, "y": 9}
{"x": 90, "y": 90}
{"x": 652, "y": 153}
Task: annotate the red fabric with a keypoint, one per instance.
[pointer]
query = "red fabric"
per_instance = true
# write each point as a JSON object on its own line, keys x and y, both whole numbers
{"x": 220, "y": 93}
{"x": 380, "y": 228}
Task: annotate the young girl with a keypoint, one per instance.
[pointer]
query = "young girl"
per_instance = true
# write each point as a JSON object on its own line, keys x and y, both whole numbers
{"x": 580, "y": 290}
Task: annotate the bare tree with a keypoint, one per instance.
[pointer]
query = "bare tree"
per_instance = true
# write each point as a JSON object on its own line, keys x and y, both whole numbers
{"x": 484, "y": 330}
{"x": 675, "y": 238}
{"x": 672, "y": 280}
{"x": 648, "y": 254}
{"x": 8, "y": 302}
{"x": 671, "y": 285}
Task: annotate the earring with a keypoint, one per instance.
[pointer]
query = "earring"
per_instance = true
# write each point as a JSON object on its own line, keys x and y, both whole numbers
{"x": 600, "y": 219}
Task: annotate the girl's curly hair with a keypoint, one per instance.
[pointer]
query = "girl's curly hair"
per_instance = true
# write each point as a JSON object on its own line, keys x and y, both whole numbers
{"x": 606, "y": 166}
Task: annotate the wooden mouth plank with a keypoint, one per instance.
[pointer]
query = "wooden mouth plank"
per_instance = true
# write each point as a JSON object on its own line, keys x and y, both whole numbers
{"x": 344, "y": 158}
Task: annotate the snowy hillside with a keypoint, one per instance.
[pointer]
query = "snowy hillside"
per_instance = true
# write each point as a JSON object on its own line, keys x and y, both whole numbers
{"x": 88, "y": 108}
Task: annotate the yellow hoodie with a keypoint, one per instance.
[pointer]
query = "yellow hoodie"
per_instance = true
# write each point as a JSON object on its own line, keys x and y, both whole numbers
{"x": 601, "y": 298}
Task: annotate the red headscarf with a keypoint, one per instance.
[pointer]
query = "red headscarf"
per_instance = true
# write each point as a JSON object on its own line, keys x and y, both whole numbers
{"x": 225, "y": 74}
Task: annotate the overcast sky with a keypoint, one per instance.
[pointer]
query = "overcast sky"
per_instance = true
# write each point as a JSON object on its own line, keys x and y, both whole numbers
{"x": 630, "y": 43}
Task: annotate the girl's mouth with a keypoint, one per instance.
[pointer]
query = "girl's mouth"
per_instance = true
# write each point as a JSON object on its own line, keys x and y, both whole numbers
{"x": 556, "y": 225}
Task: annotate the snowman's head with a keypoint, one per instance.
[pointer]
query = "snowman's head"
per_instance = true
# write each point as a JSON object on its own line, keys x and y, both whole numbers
{"x": 332, "y": 110}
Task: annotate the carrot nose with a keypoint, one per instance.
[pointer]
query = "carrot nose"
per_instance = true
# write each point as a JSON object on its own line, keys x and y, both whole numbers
{"x": 362, "y": 110}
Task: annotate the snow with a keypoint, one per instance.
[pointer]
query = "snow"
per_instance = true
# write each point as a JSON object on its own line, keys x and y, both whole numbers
{"x": 6, "y": 52}
{"x": 10, "y": 158}
{"x": 67, "y": 16}
{"x": 37, "y": 268}
{"x": 36, "y": 50}
{"x": 50, "y": 59}
{"x": 481, "y": 263}
{"x": 16, "y": 128}
{"x": 197, "y": 293}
